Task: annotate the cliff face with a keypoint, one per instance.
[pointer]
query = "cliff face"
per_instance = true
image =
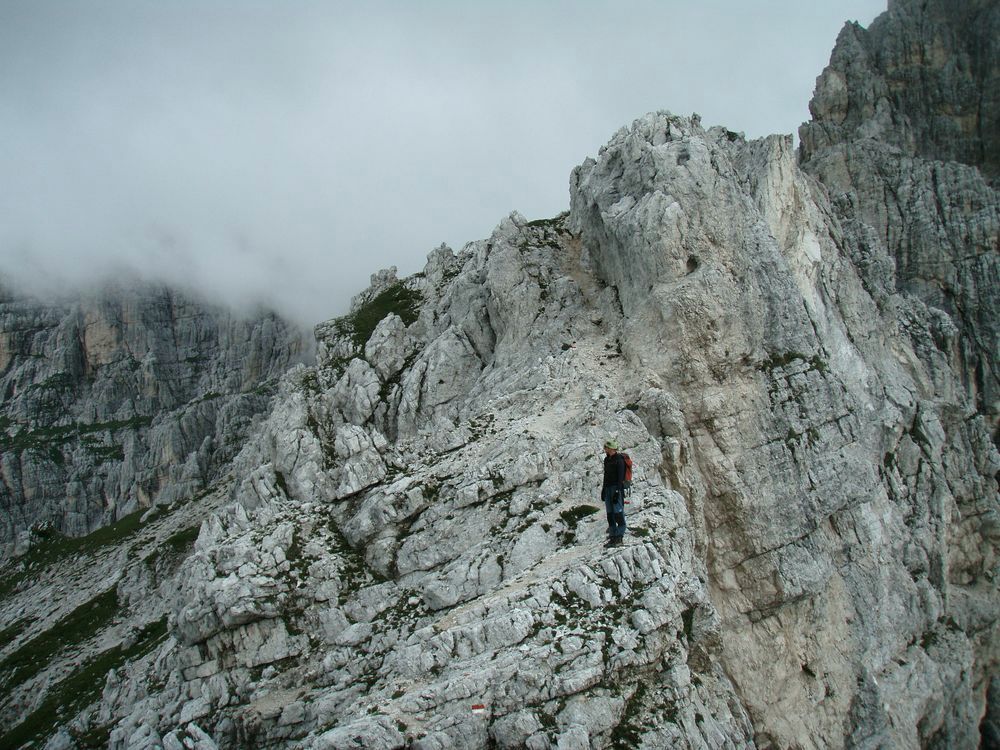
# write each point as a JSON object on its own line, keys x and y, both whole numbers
{"x": 924, "y": 79}
{"x": 122, "y": 399}
{"x": 906, "y": 138}
{"x": 839, "y": 479}
{"x": 797, "y": 355}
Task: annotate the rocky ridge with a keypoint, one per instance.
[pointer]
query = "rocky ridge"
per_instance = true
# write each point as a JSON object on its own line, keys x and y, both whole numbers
{"x": 124, "y": 398}
{"x": 409, "y": 551}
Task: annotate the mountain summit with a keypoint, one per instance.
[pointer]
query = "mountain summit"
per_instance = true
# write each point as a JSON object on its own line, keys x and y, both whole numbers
{"x": 796, "y": 350}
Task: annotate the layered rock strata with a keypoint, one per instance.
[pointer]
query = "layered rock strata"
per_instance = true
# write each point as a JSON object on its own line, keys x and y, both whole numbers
{"x": 923, "y": 80}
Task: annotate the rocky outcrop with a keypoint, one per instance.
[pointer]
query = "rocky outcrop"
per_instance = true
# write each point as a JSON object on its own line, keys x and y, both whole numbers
{"x": 415, "y": 554}
{"x": 923, "y": 80}
{"x": 121, "y": 399}
{"x": 840, "y": 481}
{"x": 408, "y": 552}
{"x": 905, "y": 137}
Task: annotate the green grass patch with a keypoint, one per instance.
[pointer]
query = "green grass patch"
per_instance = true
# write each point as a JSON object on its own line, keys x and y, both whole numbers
{"x": 182, "y": 540}
{"x": 629, "y": 730}
{"x": 554, "y": 223}
{"x": 266, "y": 389}
{"x": 352, "y": 571}
{"x": 93, "y": 739}
{"x": 55, "y": 546}
{"x": 573, "y": 516}
{"x": 778, "y": 361}
{"x": 361, "y": 323}
{"x": 79, "y": 690}
{"x": 59, "y": 382}
{"x": 106, "y": 452}
{"x": 9, "y": 634}
{"x": 79, "y": 625}
{"x": 819, "y": 364}
{"x": 43, "y": 438}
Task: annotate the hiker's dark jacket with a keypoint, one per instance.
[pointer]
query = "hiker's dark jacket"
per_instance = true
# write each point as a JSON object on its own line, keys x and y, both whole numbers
{"x": 614, "y": 471}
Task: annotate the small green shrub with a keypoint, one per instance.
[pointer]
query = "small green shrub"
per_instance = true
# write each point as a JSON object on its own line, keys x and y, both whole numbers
{"x": 42, "y": 438}
{"x": 183, "y": 540}
{"x": 398, "y": 299}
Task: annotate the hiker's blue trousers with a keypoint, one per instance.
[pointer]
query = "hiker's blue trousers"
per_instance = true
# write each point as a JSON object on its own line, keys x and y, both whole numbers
{"x": 614, "y": 505}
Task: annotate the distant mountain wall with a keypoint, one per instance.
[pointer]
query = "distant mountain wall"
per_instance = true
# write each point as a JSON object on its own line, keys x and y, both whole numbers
{"x": 922, "y": 79}
{"x": 122, "y": 398}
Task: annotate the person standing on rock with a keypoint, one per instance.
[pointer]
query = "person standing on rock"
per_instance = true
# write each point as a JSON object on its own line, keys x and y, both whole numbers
{"x": 613, "y": 492}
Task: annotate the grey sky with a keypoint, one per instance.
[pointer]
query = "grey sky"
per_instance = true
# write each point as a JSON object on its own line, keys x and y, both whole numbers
{"x": 284, "y": 151}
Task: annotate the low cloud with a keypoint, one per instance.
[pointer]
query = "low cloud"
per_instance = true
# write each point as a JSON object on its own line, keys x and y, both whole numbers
{"x": 282, "y": 152}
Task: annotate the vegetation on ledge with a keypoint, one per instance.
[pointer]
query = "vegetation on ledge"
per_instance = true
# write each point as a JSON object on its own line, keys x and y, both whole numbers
{"x": 398, "y": 299}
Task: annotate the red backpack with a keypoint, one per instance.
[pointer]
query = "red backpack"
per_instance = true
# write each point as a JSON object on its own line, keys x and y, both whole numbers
{"x": 628, "y": 473}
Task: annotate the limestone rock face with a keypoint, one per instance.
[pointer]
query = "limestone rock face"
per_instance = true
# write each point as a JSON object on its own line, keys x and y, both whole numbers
{"x": 124, "y": 398}
{"x": 905, "y": 138}
{"x": 923, "y": 79}
{"x": 790, "y": 394}
{"x": 408, "y": 550}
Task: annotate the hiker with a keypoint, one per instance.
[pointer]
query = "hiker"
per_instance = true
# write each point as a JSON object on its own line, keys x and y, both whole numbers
{"x": 613, "y": 492}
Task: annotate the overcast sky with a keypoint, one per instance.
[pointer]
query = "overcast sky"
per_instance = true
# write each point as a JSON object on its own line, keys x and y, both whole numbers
{"x": 284, "y": 151}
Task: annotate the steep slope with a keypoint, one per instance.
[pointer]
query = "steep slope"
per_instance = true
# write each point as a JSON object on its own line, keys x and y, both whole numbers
{"x": 840, "y": 480}
{"x": 124, "y": 398}
{"x": 417, "y": 533}
{"x": 408, "y": 551}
